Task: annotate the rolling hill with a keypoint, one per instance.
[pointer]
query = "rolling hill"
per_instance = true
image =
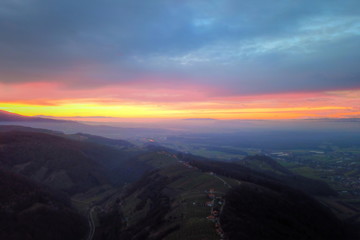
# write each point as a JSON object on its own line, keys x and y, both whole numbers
{"x": 73, "y": 127}
{"x": 155, "y": 193}
{"x": 60, "y": 161}
{"x": 171, "y": 203}
{"x": 29, "y": 211}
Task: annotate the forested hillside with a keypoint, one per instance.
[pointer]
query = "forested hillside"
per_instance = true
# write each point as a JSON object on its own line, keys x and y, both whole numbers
{"x": 28, "y": 211}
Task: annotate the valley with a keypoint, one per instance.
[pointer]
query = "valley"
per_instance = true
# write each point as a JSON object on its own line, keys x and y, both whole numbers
{"x": 150, "y": 191}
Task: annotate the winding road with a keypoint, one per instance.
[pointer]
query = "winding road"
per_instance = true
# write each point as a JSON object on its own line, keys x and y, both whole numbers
{"x": 91, "y": 224}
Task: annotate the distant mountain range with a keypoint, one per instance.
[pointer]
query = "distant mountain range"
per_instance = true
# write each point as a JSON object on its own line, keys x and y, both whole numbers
{"x": 195, "y": 119}
{"x": 13, "y": 117}
{"x": 71, "y": 127}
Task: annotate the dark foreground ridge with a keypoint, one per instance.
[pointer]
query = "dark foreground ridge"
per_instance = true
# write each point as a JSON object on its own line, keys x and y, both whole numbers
{"x": 29, "y": 211}
{"x": 255, "y": 212}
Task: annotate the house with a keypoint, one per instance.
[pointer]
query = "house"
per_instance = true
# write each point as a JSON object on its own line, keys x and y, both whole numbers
{"x": 209, "y": 204}
{"x": 219, "y": 231}
{"x": 215, "y": 213}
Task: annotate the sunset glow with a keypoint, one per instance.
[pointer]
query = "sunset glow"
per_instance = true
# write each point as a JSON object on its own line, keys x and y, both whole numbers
{"x": 51, "y": 100}
{"x": 235, "y": 61}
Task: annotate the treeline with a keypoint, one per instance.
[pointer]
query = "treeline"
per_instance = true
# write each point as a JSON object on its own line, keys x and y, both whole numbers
{"x": 272, "y": 180}
{"x": 258, "y": 161}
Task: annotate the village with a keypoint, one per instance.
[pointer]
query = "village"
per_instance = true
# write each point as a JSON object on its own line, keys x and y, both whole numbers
{"x": 216, "y": 204}
{"x": 340, "y": 169}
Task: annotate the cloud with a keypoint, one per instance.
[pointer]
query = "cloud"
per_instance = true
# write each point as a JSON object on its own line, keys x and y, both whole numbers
{"x": 248, "y": 47}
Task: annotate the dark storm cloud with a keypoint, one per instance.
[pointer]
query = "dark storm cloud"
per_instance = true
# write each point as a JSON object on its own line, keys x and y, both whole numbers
{"x": 248, "y": 46}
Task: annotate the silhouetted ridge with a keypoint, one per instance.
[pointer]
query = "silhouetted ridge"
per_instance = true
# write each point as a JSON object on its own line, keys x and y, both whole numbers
{"x": 13, "y": 117}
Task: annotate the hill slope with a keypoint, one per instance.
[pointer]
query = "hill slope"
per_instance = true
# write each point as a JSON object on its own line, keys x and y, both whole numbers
{"x": 172, "y": 200}
{"x": 243, "y": 173}
{"x": 257, "y": 212}
{"x": 28, "y": 212}
{"x": 172, "y": 203}
{"x": 67, "y": 164}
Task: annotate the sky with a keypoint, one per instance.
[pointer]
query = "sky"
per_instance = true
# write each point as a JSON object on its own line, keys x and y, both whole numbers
{"x": 181, "y": 59}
